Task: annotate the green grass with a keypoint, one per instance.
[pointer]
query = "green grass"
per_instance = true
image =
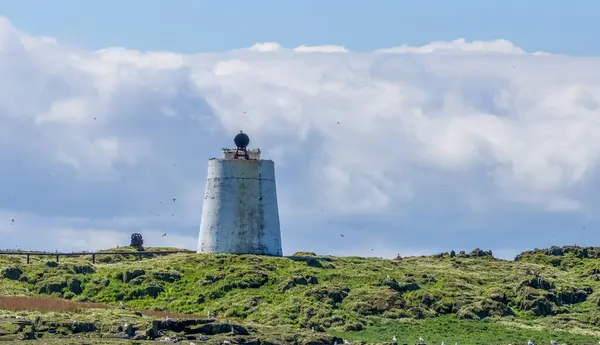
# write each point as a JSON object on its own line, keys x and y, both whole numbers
{"x": 451, "y": 331}
{"x": 469, "y": 300}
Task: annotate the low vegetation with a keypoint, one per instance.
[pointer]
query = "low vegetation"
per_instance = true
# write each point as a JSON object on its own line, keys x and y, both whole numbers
{"x": 465, "y": 298}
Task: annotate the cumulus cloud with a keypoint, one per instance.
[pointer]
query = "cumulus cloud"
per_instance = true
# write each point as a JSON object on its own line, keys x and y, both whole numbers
{"x": 448, "y": 145}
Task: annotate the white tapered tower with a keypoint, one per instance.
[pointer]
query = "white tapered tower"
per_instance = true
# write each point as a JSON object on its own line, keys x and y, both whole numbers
{"x": 240, "y": 213}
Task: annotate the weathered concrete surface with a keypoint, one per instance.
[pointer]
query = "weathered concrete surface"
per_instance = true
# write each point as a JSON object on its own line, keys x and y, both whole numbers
{"x": 240, "y": 213}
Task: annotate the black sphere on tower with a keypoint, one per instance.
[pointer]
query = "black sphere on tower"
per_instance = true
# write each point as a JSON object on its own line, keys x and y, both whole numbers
{"x": 241, "y": 140}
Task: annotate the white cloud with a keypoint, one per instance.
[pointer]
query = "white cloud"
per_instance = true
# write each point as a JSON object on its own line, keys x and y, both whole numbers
{"x": 413, "y": 141}
{"x": 459, "y": 45}
{"x": 321, "y": 49}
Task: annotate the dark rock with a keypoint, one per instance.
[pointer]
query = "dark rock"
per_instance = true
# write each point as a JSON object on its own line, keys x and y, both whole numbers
{"x": 130, "y": 330}
{"x": 377, "y": 302}
{"x": 352, "y": 327}
{"x": 169, "y": 277}
{"x": 480, "y": 253}
{"x": 539, "y": 306}
{"x": 297, "y": 280}
{"x": 210, "y": 279}
{"x": 216, "y": 294}
{"x": 29, "y": 333}
{"x": 129, "y": 275}
{"x": 452, "y": 253}
{"x": 50, "y": 287}
{"x": 310, "y": 261}
{"x": 137, "y": 281}
{"x": 417, "y": 313}
{"x": 140, "y": 335}
{"x": 536, "y": 283}
{"x": 402, "y": 287}
{"x": 251, "y": 280}
{"x": 443, "y": 307}
{"x": 537, "y": 301}
{"x": 83, "y": 269}
{"x": 251, "y": 303}
{"x": 74, "y": 285}
{"x": 51, "y": 263}
{"x": 573, "y": 296}
{"x": 83, "y": 327}
{"x": 151, "y": 333}
{"x": 328, "y": 294}
{"x": 12, "y": 273}
{"x": 499, "y": 296}
{"x": 483, "y": 309}
{"x": 427, "y": 300}
{"x": 215, "y": 328}
{"x": 154, "y": 290}
{"x": 555, "y": 251}
{"x": 585, "y": 253}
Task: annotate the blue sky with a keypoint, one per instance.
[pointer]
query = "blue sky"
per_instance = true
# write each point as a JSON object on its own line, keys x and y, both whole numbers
{"x": 190, "y": 26}
{"x": 385, "y": 128}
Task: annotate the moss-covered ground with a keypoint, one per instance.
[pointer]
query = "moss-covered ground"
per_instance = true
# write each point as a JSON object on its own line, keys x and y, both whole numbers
{"x": 456, "y": 298}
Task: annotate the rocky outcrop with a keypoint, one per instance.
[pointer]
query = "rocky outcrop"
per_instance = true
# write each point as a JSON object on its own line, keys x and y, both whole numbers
{"x": 12, "y": 273}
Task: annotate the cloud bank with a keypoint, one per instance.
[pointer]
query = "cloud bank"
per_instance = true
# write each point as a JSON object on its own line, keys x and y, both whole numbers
{"x": 452, "y": 145}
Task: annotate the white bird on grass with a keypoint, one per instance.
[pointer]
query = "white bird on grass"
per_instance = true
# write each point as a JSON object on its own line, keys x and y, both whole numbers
{"x": 529, "y": 342}
{"x": 421, "y": 340}
{"x": 553, "y": 342}
{"x": 394, "y": 339}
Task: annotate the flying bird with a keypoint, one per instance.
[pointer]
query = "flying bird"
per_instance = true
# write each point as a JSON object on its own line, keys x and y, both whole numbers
{"x": 165, "y": 234}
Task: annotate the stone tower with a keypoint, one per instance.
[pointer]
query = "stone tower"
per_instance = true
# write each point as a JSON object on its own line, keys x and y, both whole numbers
{"x": 240, "y": 213}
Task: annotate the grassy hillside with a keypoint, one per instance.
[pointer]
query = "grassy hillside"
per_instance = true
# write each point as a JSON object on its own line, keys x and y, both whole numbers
{"x": 465, "y": 298}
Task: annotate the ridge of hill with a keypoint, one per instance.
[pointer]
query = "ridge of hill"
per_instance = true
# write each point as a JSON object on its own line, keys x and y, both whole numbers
{"x": 543, "y": 293}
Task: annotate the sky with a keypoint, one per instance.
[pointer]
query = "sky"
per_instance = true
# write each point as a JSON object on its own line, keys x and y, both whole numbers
{"x": 411, "y": 129}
